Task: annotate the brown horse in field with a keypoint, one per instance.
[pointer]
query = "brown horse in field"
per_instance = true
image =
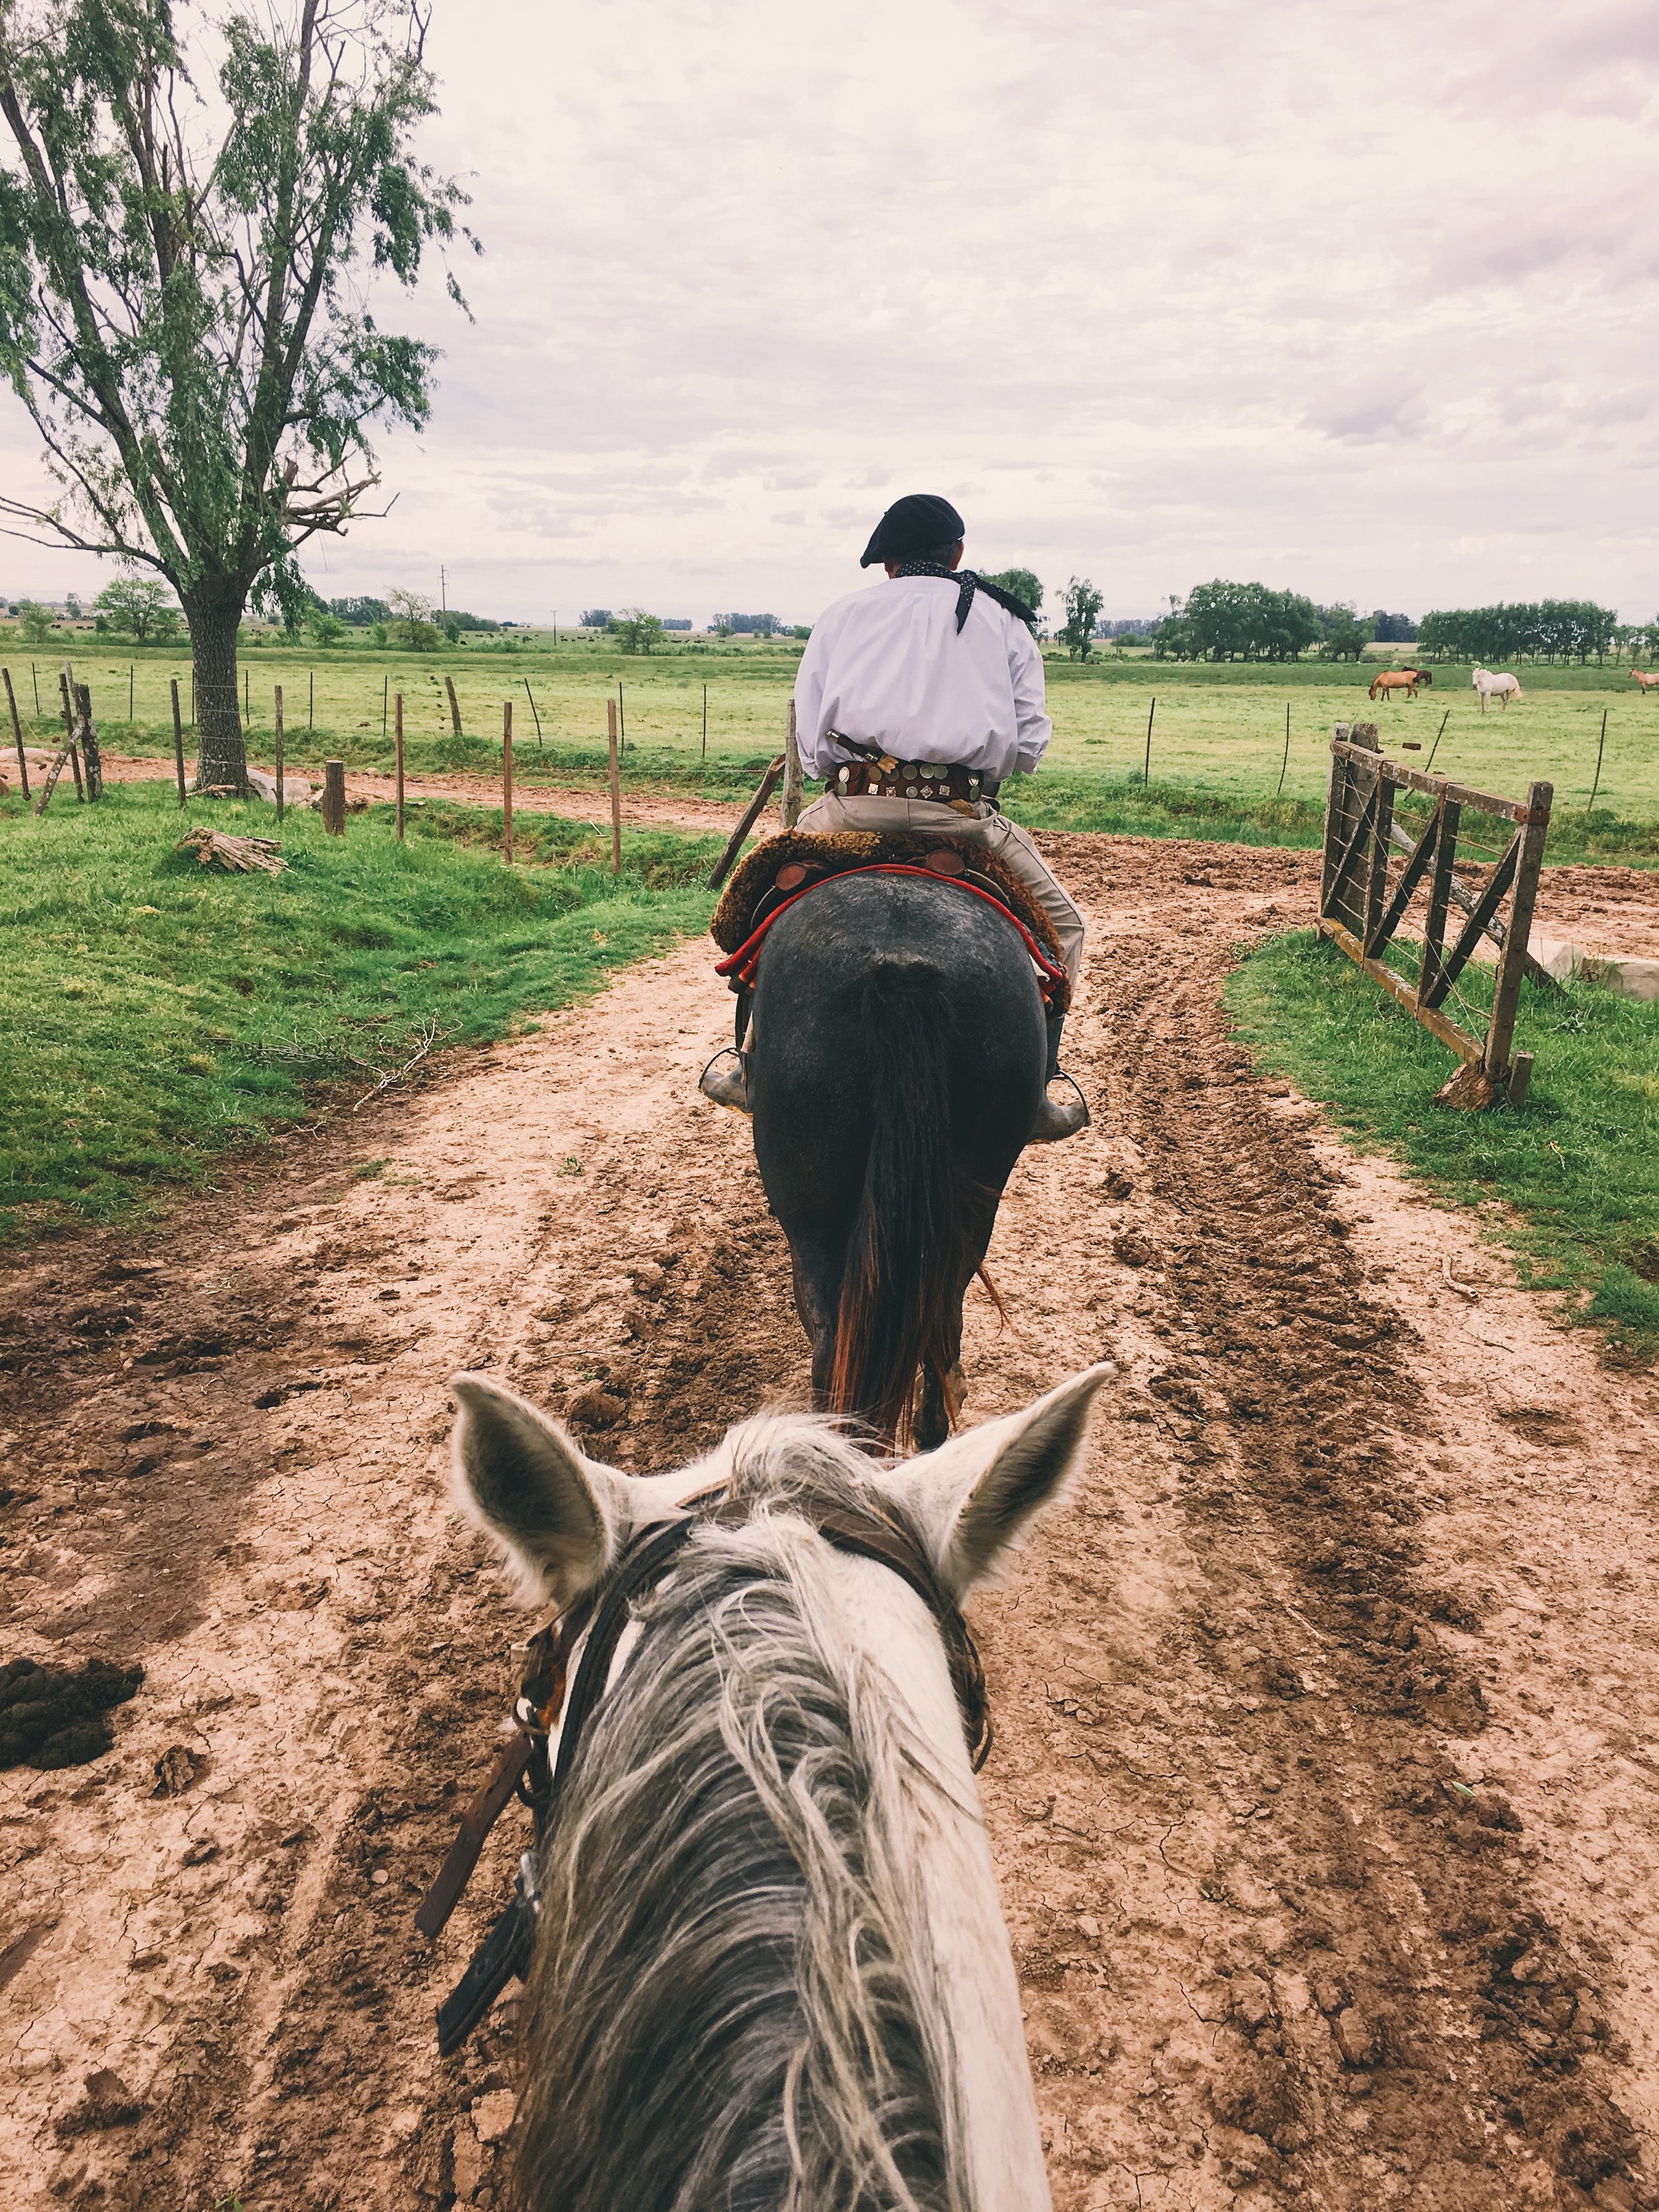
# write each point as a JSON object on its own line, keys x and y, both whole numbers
{"x": 1647, "y": 683}
{"x": 1395, "y": 680}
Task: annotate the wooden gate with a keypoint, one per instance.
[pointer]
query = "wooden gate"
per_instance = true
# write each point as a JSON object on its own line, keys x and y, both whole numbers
{"x": 1375, "y": 867}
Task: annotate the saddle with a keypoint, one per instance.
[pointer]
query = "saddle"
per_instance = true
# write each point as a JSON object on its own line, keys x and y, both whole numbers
{"x": 784, "y": 867}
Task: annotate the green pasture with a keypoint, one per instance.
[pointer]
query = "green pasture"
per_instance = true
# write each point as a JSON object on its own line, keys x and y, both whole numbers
{"x": 155, "y": 1016}
{"x": 1570, "y": 1182}
{"x": 1218, "y": 732}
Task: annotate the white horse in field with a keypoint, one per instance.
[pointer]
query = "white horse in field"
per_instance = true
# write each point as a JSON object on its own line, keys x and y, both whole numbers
{"x": 1501, "y": 688}
{"x": 770, "y": 1968}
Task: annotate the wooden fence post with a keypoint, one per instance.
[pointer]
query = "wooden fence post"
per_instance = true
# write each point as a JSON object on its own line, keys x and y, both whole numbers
{"x": 16, "y": 731}
{"x": 790, "y": 805}
{"x": 178, "y": 741}
{"x": 334, "y": 796}
{"x": 755, "y": 808}
{"x": 705, "y": 721}
{"x": 535, "y": 711}
{"x": 64, "y": 678}
{"x": 507, "y": 776}
{"x": 1146, "y": 773}
{"x": 278, "y": 712}
{"x": 65, "y": 754}
{"x": 616, "y": 792}
{"x": 397, "y": 745}
{"x": 86, "y": 737}
{"x": 455, "y": 704}
{"x": 1512, "y": 960}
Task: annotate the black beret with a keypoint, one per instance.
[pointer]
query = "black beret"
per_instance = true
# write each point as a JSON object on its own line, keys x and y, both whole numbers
{"x": 913, "y": 527}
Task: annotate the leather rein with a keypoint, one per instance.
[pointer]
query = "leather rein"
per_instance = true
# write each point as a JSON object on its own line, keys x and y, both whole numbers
{"x": 524, "y": 1771}
{"x": 743, "y": 963}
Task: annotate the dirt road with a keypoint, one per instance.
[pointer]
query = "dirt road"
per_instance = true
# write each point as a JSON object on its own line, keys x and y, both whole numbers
{"x": 644, "y": 809}
{"x": 1325, "y": 1791}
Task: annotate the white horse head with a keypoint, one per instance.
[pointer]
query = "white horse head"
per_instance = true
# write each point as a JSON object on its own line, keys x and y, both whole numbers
{"x": 771, "y": 1965}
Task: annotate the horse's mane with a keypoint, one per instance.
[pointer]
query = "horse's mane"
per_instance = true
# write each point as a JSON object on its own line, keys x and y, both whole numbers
{"x": 731, "y": 2008}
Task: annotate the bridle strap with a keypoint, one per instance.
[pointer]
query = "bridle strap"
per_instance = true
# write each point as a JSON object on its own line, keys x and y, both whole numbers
{"x": 868, "y": 1535}
{"x": 640, "y": 1565}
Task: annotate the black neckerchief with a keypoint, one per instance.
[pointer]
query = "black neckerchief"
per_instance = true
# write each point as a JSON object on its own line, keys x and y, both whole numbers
{"x": 968, "y": 583}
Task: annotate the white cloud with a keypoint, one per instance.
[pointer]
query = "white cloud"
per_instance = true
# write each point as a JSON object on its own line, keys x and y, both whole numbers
{"x": 1358, "y": 299}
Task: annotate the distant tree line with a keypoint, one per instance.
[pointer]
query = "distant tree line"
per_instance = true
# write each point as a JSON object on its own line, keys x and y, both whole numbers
{"x": 1553, "y": 630}
{"x": 1223, "y": 621}
{"x": 1393, "y": 629}
{"x": 746, "y": 625}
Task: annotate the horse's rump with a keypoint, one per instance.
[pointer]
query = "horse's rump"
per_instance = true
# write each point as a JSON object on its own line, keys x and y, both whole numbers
{"x": 897, "y": 1069}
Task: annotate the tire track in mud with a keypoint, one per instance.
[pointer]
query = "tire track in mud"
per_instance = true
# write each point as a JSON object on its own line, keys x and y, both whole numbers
{"x": 1269, "y": 1946}
{"x": 1378, "y": 2004}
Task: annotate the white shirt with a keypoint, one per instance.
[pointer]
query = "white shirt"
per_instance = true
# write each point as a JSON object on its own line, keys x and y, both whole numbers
{"x": 886, "y": 666}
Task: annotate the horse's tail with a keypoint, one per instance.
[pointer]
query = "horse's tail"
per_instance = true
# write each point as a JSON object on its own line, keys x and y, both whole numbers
{"x": 904, "y": 1275}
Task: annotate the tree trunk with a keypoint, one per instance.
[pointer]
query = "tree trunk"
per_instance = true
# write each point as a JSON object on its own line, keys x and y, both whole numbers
{"x": 221, "y": 758}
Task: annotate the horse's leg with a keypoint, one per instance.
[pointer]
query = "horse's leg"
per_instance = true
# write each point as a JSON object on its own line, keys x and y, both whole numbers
{"x": 817, "y": 1265}
{"x": 941, "y": 1399}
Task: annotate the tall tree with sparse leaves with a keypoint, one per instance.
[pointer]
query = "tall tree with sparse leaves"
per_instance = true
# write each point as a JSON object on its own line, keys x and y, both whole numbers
{"x": 182, "y": 301}
{"x": 1083, "y": 606}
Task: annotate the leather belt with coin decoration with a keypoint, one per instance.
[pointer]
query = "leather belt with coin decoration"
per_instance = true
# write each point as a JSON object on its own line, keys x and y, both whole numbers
{"x": 881, "y": 775}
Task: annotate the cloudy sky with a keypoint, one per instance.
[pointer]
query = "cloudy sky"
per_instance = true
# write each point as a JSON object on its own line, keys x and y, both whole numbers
{"x": 1357, "y": 299}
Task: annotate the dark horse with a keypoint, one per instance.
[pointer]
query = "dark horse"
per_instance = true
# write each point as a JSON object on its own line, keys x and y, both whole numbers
{"x": 897, "y": 1072}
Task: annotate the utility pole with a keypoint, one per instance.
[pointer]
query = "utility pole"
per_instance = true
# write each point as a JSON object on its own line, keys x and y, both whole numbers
{"x": 443, "y": 594}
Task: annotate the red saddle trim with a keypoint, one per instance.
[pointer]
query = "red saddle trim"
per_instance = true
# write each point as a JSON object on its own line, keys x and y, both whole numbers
{"x": 744, "y": 961}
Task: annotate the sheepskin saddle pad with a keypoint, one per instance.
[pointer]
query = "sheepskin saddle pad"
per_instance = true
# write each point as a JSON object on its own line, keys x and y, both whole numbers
{"x": 769, "y": 874}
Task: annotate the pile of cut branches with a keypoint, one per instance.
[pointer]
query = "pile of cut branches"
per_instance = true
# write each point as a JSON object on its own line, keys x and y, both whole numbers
{"x": 237, "y": 855}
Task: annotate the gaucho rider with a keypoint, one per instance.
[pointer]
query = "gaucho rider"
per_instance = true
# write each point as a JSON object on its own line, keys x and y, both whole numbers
{"x": 933, "y": 676}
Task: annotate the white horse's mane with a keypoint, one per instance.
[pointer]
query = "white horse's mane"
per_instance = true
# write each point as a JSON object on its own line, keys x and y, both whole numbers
{"x": 771, "y": 1795}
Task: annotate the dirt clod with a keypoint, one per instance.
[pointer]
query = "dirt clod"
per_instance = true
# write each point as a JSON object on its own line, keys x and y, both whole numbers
{"x": 176, "y": 1770}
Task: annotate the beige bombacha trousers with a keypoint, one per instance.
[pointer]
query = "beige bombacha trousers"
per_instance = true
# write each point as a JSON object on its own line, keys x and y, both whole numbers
{"x": 1005, "y": 840}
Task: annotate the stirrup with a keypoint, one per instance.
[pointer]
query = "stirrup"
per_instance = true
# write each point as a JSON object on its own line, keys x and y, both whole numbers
{"x": 1054, "y": 1123}
{"x": 730, "y": 1088}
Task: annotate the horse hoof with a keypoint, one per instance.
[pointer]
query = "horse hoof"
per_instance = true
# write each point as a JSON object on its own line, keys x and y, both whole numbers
{"x": 726, "y": 1085}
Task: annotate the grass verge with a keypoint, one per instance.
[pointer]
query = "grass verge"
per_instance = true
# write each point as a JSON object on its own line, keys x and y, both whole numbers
{"x": 1575, "y": 1172}
{"x": 154, "y": 1015}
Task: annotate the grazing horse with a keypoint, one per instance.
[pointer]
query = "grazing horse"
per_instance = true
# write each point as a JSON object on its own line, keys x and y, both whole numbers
{"x": 1395, "y": 680}
{"x": 1424, "y": 677}
{"x": 1501, "y": 688}
{"x": 1647, "y": 683}
{"x": 897, "y": 1071}
{"x": 769, "y": 1969}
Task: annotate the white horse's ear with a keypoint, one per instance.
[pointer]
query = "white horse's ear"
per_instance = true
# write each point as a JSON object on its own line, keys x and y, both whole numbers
{"x": 559, "y": 1518}
{"x": 973, "y": 1497}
